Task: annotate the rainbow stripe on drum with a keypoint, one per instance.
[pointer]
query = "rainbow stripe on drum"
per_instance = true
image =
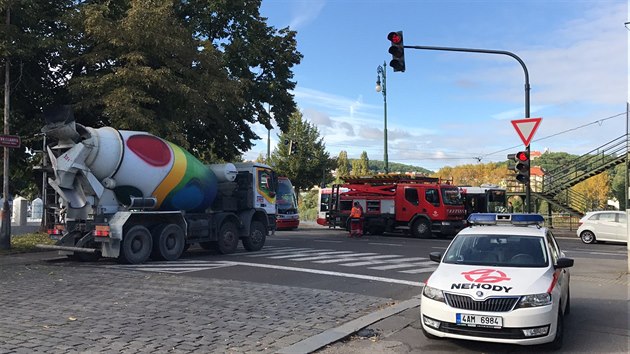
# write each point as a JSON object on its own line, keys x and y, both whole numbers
{"x": 188, "y": 185}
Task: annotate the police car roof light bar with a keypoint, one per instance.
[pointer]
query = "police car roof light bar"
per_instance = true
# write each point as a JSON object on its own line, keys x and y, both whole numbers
{"x": 514, "y": 219}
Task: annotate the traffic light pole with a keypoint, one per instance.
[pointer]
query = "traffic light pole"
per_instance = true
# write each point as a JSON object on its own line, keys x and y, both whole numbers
{"x": 528, "y": 189}
{"x": 381, "y": 72}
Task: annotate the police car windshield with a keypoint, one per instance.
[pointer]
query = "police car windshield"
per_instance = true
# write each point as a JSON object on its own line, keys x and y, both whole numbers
{"x": 497, "y": 250}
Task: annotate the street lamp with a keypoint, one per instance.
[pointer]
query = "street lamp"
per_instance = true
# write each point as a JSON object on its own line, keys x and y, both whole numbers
{"x": 381, "y": 72}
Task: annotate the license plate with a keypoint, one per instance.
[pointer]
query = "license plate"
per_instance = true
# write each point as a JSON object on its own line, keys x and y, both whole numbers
{"x": 479, "y": 320}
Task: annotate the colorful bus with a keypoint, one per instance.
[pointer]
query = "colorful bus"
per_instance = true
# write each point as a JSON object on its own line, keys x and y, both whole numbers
{"x": 288, "y": 217}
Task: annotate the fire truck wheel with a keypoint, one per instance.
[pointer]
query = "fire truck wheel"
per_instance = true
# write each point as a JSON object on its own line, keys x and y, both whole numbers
{"x": 421, "y": 228}
{"x": 136, "y": 245}
{"x": 257, "y": 237}
{"x": 228, "y": 238}
{"x": 168, "y": 242}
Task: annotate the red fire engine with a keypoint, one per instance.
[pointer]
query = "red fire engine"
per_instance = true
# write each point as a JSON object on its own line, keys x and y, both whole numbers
{"x": 419, "y": 205}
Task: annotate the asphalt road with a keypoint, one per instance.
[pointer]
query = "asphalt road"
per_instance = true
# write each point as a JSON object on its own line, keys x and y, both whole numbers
{"x": 305, "y": 290}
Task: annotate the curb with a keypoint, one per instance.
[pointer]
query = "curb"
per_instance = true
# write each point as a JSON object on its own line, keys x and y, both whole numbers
{"x": 318, "y": 341}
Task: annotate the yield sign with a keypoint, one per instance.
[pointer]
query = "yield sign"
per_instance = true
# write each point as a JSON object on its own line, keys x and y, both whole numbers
{"x": 526, "y": 128}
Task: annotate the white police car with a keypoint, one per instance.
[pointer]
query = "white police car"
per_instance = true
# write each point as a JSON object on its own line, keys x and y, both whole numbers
{"x": 503, "y": 279}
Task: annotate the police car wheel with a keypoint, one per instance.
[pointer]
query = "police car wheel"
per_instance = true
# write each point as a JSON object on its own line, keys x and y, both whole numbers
{"x": 558, "y": 339}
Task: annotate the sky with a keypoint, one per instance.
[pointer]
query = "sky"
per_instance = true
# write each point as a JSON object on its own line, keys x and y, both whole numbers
{"x": 455, "y": 108}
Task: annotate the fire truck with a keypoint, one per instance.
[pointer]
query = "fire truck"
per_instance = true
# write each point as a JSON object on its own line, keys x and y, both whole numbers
{"x": 422, "y": 206}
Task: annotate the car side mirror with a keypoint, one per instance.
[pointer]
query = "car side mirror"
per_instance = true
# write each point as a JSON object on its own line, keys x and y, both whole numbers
{"x": 435, "y": 256}
{"x": 564, "y": 263}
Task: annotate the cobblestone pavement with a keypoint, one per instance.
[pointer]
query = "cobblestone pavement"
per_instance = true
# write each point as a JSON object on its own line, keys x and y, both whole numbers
{"x": 61, "y": 308}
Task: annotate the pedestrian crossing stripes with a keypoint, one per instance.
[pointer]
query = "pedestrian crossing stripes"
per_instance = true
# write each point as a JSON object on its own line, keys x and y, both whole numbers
{"x": 368, "y": 260}
{"x": 348, "y": 259}
{"x": 175, "y": 267}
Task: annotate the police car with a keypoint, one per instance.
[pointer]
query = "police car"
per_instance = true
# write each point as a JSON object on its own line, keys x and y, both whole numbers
{"x": 503, "y": 279}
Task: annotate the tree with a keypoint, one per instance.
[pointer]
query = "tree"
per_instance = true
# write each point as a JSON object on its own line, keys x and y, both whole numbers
{"x": 310, "y": 164}
{"x": 360, "y": 166}
{"x": 595, "y": 191}
{"x": 618, "y": 185}
{"x": 474, "y": 174}
{"x": 31, "y": 45}
{"x": 195, "y": 73}
{"x": 342, "y": 165}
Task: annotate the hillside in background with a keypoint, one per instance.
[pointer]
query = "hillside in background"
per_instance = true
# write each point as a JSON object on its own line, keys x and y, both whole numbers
{"x": 377, "y": 166}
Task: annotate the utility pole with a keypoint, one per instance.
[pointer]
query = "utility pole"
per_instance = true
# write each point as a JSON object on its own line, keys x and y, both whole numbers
{"x": 381, "y": 72}
{"x": 528, "y": 189}
{"x": 5, "y": 229}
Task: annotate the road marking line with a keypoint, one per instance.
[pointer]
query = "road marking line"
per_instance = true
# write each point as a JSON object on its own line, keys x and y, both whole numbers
{"x": 172, "y": 268}
{"x": 385, "y": 244}
{"x": 275, "y": 252}
{"x": 299, "y": 254}
{"x": 325, "y": 272}
{"x": 325, "y": 255}
{"x": 402, "y": 265}
{"x": 419, "y": 270}
{"x": 349, "y": 258}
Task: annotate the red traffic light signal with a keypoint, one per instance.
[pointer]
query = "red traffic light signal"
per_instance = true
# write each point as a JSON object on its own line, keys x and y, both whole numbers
{"x": 397, "y": 50}
{"x": 522, "y": 166}
{"x": 394, "y": 37}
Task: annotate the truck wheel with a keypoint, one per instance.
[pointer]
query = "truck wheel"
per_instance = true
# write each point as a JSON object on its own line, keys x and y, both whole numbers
{"x": 84, "y": 256}
{"x": 136, "y": 245}
{"x": 421, "y": 228}
{"x": 228, "y": 238}
{"x": 257, "y": 237}
{"x": 168, "y": 242}
{"x": 207, "y": 245}
{"x": 88, "y": 257}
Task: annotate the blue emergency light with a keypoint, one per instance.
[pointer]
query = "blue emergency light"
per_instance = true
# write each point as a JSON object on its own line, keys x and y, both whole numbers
{"x": 514, "y": 219}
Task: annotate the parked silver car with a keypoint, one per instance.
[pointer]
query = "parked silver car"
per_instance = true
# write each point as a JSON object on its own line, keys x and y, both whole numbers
{"x": 603, "y": 226}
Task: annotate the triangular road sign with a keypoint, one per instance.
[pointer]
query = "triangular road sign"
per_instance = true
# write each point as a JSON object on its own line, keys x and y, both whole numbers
{"x": 526, "y": 128}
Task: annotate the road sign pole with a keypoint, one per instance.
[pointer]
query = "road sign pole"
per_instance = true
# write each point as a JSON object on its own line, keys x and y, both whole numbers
{"x": 527, "y": 88}
{"x": 528, "y": 187}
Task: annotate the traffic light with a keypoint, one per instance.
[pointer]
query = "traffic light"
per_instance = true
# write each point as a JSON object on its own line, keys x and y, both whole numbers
{"x": 397, "y": 50}
{"x": 522, "y": 166}
{"x": 293, "y": 148}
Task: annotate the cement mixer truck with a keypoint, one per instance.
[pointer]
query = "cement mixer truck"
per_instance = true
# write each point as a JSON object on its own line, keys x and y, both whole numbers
{"x": 133, "y": 196}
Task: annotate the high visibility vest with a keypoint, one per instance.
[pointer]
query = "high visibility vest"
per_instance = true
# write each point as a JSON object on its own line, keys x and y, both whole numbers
{"x": 355, "y": 212}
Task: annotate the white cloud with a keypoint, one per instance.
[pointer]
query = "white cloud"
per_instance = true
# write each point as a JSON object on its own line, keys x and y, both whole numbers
{"x": 305, "y": 12}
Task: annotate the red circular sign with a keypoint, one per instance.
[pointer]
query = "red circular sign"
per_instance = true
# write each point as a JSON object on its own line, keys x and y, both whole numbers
{"x": 485, "y": 275}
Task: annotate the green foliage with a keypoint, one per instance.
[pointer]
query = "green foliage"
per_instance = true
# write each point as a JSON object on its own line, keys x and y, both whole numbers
{"x": 379, "y": 166}
{"x": 197, "y": 73}
{"x": 550, "y": 161}
{"x": 308, "y": 207}
{"x": 342, "y": 165}
{"x": 31, "y": 44}
{"x": 310, "y": 165}
{"x": 27, "y": 242}
{"x": 618, "y": 185}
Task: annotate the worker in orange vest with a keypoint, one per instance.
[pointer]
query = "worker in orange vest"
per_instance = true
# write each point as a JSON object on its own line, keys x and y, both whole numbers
{"x": 356, "y": 220}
